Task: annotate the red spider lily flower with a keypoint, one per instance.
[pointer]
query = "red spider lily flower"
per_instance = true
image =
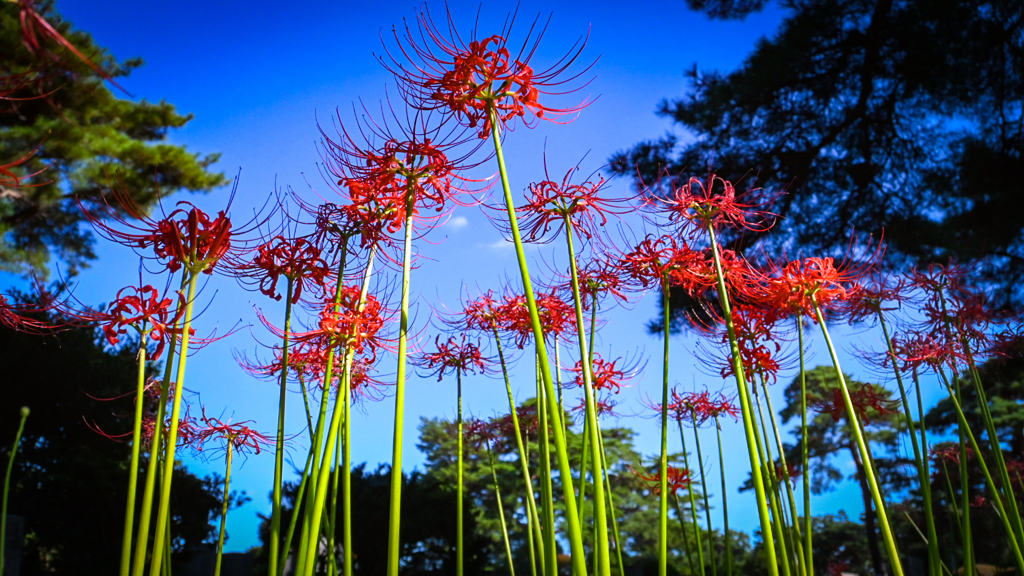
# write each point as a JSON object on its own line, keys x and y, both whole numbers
{"x": 451, "y": 356}
{"x": 656, "y": 261}
{"x": 711, "y": 203}
{"x": 557, "y": 317}
{"x": 188, "y": 431}
{"x": 837, "y": 568}
{"x": 787, "y": 472}
{"x": 874, "y": 296}
{"x": 351, "y": 323}
{"x": 800, "y": 284}
{"x": 758, "y": 344}
{"x": 482, "y": 314}
{"x": 481, "y": 433}
{"x": 139, "y": 308}
{"x": 949, "y": 452}
{"x": 915, "y": 350}
{"x": 391, "y": 178}
{"x": 528, "y": 422}
{"x": 17, "y": 315}
{"x": 472, "y": 81}
{"x": 599, "y": 277}
{"x": 11, "y": 180}
{"x": 700, "y": 407}
{"x": 677, "y": 479}
{"x": 362, "y": 383}
{"x": 337, "y": 223}
{"x": 549, "y": 203}
{"x": 296, "y": 259}
{"x": 604, "y": 375}
{"x": 869, "y": 402}
{"x": 238, "y": 436}
{"x": 603, "y": 407}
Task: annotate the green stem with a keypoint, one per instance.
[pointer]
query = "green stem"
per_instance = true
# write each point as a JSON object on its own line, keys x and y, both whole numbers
{"x": 746, "y": 409}
{"x": 805, "y": 451}
{"x": 663, "y": 460}
{"x": 7, "y": 485}
{"x": 524, "y": 461}
{"x": 164, "y": 509}
{"x": 133, "y": 468}
{"x": 707, "y": 504}
{"x": 295, "y": 516}
{"x": 565, "y": 471}
{"x": 551, "y": 552}
{"x": 611, "y": 504}
{"x": 275, "y": 515}
{"x": 332, "y": 512}
{"x": 601, "y": 548}
{"x": 796, "y": 538}
{"x": 318, "y": 496}
{"x": 685, "y": 534}
{"x": 774, "y": 492}
{"x": 725, "y": 501}
{"x": 459, "y": 539}
{"x": 869, "y": 472}
{"x": 501, "y": 512}
{"x": 224, "y": 510}
{"x": 693, "y": 502}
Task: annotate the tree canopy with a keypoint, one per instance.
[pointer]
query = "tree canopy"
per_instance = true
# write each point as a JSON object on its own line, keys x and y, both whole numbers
{"x": 869, "y": 116}
{"x": 85, "y": 139}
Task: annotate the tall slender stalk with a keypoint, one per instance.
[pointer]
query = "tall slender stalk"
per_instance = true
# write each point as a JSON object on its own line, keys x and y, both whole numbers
{"x": 164, "y": 509}
{"x": 459, "y": 539}
{"x": 611, "y": 505}
{"x": 725, "y": 500}
{"x": 501, "y": 511}
{"x": 601, "y": 549}
{"x": 693, "y": 503}
{"x": 707, "y": 504}
{"x": 133, "y": 467}
{"x": 283, "y": 559}
{"x": 24, "y": 412}
{"x": 805, "y": 451}
{"x": 551, "y": 553}
{"x": 869, "y": 472}
{"x": 275, "y": 514}
{"x": 796, "y": 538}
{"x": 663, "y": 459}
{"x": 747, "y": 412}
{"x": 224, "y": 508}
{"x": 561, "y": 452}
{"x": 524, "y": 461}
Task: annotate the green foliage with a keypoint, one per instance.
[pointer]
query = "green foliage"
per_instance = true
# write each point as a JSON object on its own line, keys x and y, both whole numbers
{"x": 70, "y": 482}
{"x": 88, "y": 140}
{"x": 868, "y": 115}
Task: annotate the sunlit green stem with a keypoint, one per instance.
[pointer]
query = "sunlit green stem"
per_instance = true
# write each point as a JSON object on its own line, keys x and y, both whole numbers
{"x": 501, "y": 511}
{"x": 746, "y": 409}
{"x": 921, "y": 458}
{"x": 575, "y": 535}
{"x": 133, "y": 468}
{"x": 869, "y": 472}
{"x": 156, "y": 449}
{"x": 693, "y": 502}
{"x": 318, "y": 495}
{"x": 725, "y": 500}
{"x": 601, "y": 548}
{"x": 774, "y": 492}
{"x": 707, "y": 504}
{"x": 690, "y": 558}
{"x": 524, "y": 461}
{"x": 275, "y": 514}
{"x": 332, "y": 508}
{"x": 24, "y": 412}
{"x": 224, "y": 509}
{"x": 663, "y": 459}
{"x": 547, "y": 498}
{"x": 459, "y": 537}
{"x": 805, "y": 450}
{"x": 796, "y": 539}
{"x": 164, "y": 508}
{"x": 295, "y": 516}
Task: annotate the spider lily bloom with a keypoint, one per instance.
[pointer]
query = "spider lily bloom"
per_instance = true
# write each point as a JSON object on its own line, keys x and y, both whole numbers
{"x": 677, "y": 479}
{"x": 757, "y": 342}
{"x": 599, "y": 277}
{"x": 700, "y": 407}
{"x": 602, "y": 407}
{"x": 557, "y": 317}
{"x": 17, "y": 315}
{"x": 353, "y": 323}
{"x": 875, "y": 296}
{"x": 550, "y": 204}
{"x": 605, "y": 375}
{"x": 869, "y": 401}
{"x": 949, "y": 452}
{"x": 661, "y": 261}
{"x": 711, "y": 204}
{"x": 296, "y": 259}
{"x": 9, "y": 179}
{"x": 481, "y": 80}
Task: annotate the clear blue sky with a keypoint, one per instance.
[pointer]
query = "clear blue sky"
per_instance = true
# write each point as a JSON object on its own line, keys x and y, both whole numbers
{"x": 259, "y": 75}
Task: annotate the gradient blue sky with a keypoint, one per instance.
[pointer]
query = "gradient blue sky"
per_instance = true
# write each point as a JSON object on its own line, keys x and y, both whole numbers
{"x": 258, "y": 76}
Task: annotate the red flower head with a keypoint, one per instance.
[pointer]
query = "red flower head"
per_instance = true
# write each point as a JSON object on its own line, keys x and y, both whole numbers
{"x": 481, "y": 314}
{"x": 712, "y": 203}
{"x": 392, "y": 178}
{"x": 481, "y": 433}
{"x": 604, "y": 375}
{"x": 239, "y": 437}
{"x": 869, "y": 402}
{"x": 655, "y": 261}
{"x": 361, "y": 381}
{"x": 874, "y": 296}
{"x": 801, "y": 284}
{"x": 599, "y": 277}
{"x": 699, "y": 407}
{"x": 678, "y": 479}
{"x": 949, "y": 452}
{"x": 603, "y": 407}
{"x": 355, "y": 323}
{"x": 14, "y": 315}
{"x": 296, "y": 259}
{"x": 527, "y": 420}
{"x": 915, "y": 350}
{"x": 473, "y": 81}
{"x": 759, "y": 347}
{"x": 550, "y": 203}
{"x": 556, "y": 317}
{"x": 453, "y": 355}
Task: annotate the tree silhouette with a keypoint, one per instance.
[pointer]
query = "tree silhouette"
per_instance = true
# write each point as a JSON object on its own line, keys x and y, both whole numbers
{"x": 873, "y": 115}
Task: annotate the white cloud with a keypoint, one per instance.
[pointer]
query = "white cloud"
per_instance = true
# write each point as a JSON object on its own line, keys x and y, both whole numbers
{"x": 501, "y": 244}
{"x": 457, "y": 222}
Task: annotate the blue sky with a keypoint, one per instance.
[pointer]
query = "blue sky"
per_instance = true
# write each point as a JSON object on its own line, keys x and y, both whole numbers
{"x": 259, "y": 76}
